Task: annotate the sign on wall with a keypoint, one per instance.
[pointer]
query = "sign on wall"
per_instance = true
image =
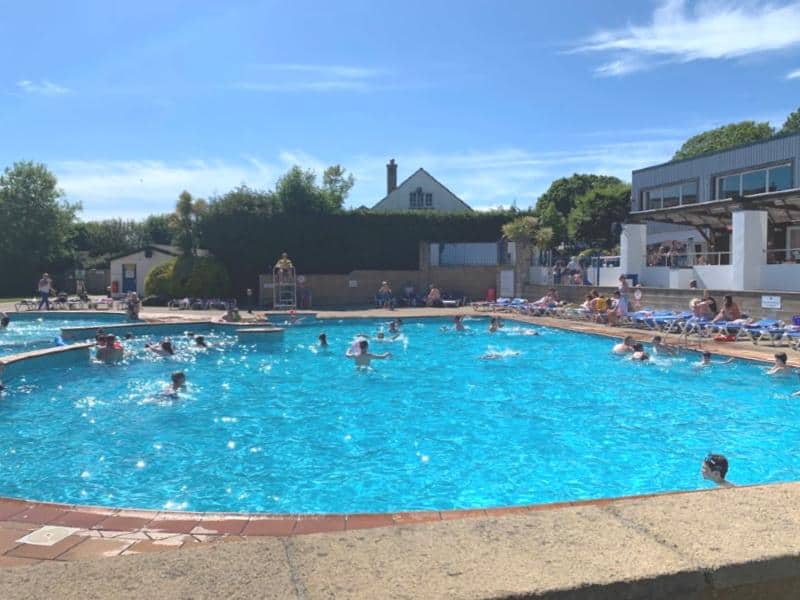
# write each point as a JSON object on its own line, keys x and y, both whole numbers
{"x": 353, "y": 283}
{"x": 771, "y": 302}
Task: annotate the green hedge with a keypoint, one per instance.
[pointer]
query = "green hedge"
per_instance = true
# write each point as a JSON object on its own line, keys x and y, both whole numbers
{"x": 248, "y": 241}
{"x": 200, "y": 276}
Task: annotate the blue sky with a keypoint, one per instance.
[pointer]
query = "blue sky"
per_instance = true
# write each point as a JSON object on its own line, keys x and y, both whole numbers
{"x": 130, "y": 103}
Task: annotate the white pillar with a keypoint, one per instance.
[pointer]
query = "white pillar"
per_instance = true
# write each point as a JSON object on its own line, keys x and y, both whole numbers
{"x": 633, "y": 249}
{"x": 748, "y": 248}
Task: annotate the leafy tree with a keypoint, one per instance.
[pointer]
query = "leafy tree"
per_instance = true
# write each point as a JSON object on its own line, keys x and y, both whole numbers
{"x": 336, "y": 185}
{"x": 596, "y": 210}
{"x": 159, "y": 280}
{"x": 185, "y": 222}
{"x": 157, "y": 229}
{"x": 35, "y": 226}
{"x": 724, "y": 137}
{"x": 112, "y": 236}
{"x": 297, "y": 192}
{"x": 792, "y": 123}
{"x": 554, "y": 206}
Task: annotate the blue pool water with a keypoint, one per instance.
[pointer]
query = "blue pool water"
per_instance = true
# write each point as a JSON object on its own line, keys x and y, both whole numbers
{"x": 34, "y": 331}
{"x": 283, "y": 427}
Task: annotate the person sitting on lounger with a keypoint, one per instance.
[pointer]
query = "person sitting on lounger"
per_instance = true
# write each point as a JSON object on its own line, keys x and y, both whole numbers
{"x": 705, "y": 360}
{"x": 231, "y": 315}
{"x": 701, "y": 308}
{"x": 780, "y": 368}
{"x": 624, "y": 347}
{"x": 659, "y": 347}
{"x": 434, "y": 297}
{"x": 715, "y": 468}
{"x": 730, "y": 310}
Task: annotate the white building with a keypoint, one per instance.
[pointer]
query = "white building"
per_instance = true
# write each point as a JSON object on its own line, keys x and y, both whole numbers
{"x": 421, "y": 191}
{"x": 128, "y": 272}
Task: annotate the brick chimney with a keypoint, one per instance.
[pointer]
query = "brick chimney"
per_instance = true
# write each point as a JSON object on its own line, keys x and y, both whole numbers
{"x": 391, "y": 177}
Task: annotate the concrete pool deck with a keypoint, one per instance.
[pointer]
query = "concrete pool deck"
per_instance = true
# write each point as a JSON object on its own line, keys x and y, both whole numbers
{"x": 734, "y": 543}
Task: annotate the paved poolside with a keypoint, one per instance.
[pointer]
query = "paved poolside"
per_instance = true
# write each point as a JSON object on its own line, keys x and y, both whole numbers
{"x": 452, "y": 550}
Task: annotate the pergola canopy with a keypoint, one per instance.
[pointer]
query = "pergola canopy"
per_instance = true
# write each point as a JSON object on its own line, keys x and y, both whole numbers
{"x": 783, "y": 208}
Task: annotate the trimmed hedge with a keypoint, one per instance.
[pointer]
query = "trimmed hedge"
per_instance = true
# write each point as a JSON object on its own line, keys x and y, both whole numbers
{"x": 199, "y": 276}
{"x": 249, "y": 240}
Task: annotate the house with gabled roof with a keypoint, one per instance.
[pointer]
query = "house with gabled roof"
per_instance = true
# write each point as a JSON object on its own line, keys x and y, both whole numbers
{"x": 421, "y": 191}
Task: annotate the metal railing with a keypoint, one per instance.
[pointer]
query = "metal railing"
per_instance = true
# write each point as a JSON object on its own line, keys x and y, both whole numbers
{"x": 683, "y": 260}
{"x": 783, "y": 256}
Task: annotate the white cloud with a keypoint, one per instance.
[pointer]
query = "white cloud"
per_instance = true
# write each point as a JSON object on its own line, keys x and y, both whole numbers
{"x": 484, "y": 179}
{"x": 43, "y": 88}
{"x": 712, "y": 29}
{"x": 794, "y": 74}
{"x": 312, "y": 78}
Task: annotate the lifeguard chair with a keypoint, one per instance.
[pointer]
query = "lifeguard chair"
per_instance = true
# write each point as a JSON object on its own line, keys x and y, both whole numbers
{"x": 284, "y": 287}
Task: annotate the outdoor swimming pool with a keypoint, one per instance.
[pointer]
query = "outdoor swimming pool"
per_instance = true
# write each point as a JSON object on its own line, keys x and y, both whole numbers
{"x": 286, "y": 428}
{"x": 34, "y": 331}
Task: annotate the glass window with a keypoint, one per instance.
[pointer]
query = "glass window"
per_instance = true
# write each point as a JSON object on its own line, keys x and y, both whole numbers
{"x": 728, "y": 187}
{"x": 653, "y": 200}
{"x": 780, "y": 178}
{"x": 429, "y": 200}
{"x": 754, "y": 182}
{"x": 689, "y": 193}
{"x": 671, "y": 196}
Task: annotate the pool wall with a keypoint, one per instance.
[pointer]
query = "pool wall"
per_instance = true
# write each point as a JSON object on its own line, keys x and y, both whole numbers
{"x": 16, "y": 365}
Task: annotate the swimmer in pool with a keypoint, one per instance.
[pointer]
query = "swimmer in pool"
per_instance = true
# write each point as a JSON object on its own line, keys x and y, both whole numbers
{"x": 361, "y": 354}
{"x": 639, "y": 353}
{"x": 200, "y": 341}
{"x": 178, "y": 383}
{"x": 493, "y": 355}
{"x": 780, "y": 368}
{"x": 624, "y": 347}
{"x": 494, "y": 324}
{"x": 394, "y": 326}
{"x": 705, "y": 360}
{"x": 164, "y": 348}
{"x": 714, "y": 468}
{"x": 110, "y": 351}
{"x": 4, "y": 320}
{"x": 190, "y": 334}
{"x": 659, "y": 347}
{"x": 323, "y": 340}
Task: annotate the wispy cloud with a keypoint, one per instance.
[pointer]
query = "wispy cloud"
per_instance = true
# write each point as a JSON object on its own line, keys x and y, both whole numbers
{"x": 485, "y": 179}
{"x": 794, "y": 74}
{"x": 293, "y": 77}
{"x": 711, "y": 29}
{"x": 42, "y": 88}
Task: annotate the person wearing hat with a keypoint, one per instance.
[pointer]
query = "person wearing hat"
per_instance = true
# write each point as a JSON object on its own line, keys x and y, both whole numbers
{"x": 45, "y": 285}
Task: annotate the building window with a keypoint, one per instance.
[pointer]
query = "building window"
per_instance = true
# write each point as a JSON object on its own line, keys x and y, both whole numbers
{"x": 747, "y": 183}
{"x": 429, "y": 200}
{"x": 669, "y": 196}
{"x": 780, "y": 178}
{"x": 417, "y": 199}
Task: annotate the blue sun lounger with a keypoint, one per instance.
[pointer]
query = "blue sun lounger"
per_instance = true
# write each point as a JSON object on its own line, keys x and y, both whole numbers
{"x": 770, "y": 330}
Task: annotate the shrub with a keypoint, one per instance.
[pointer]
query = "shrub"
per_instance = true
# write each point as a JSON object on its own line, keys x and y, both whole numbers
{"x": 159, "y": 281}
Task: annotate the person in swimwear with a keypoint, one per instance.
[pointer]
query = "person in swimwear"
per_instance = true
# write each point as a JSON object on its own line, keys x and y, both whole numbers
{"x": 639, "y": 353}
{"x": 110, "y": 351}
{"x": 163, "y": 348}
{"x": 359, "y": 351}
{"x": 780, "y": 368}
{"x": 705, "y": 360}
{"x": 624, "y": 347}
{"x": 715, "y": 468}
{"x": 323, "y": 340}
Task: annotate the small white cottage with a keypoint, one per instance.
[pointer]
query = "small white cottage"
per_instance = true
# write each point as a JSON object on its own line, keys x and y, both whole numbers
{"x": 421, "y": 191}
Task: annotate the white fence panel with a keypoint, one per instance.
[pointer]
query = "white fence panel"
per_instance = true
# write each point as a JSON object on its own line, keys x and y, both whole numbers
{"x": 451, "y": 255}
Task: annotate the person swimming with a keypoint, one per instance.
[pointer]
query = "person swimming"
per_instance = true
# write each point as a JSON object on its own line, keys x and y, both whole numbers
{"x": 705, "y": 360}
{"x": 494, "y": 324}
{"x": 495, "y": 355}
{"x": 359, "y": 351}
{"x": 4, "y": 320}
{"x": 659, "y": 347}
{"x": 780, "y": 368}
{"x": 200, "y": 342}
{"x": 639, "y": 353}
{"x": 625, "y": 346}
{"x": 715, "y": 468}
{"x": 110, "y": 351}
{"x": 323, "y": 340}
{"x": 178, "y": 383}
{"x": 163, "y": 348}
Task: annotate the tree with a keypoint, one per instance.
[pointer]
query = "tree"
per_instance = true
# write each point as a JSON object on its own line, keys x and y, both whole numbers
{"x": 186, "y": 223}
{"x": 35, "y": 226}
{"x": 157, "y": 229}
{"x": 595, "y": 211}
{"x": 724, "y": 137}
{"x": 297, "y": 192}
{"x": 553, "y": 207}
{"x": 792, "y": 123}
{"x": 336, "y": 186}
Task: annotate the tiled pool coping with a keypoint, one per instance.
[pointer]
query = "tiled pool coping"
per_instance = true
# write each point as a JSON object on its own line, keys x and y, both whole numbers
{"x": 114, "y": 531}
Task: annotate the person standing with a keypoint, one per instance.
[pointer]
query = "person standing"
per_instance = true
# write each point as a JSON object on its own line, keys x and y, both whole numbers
{"x": 45, "y": 285}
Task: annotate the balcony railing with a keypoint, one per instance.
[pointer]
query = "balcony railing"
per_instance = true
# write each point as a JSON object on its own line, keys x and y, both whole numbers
{"x": 677, "y": 260}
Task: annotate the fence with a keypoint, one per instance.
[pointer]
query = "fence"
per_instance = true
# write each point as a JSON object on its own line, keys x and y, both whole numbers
{"x": 677, "y": 260}
{"x": 469, "y": 254}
